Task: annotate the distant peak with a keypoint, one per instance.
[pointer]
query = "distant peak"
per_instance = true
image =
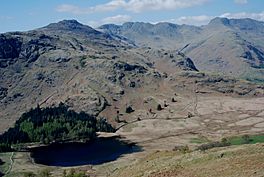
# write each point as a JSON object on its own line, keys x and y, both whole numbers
{"x": 220, "y": 21}
{"x": 69, "y": 25}
{"x": 70, "y": 22}
{"x": 167, "y": 24}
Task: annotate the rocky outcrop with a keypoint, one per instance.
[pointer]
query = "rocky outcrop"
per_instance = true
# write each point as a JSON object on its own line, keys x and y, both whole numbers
{"x": 10, "y": 48}
{"x": 3, "y": 92}
{"x": 130, "y": 67}
{"x": 186, "y": 64}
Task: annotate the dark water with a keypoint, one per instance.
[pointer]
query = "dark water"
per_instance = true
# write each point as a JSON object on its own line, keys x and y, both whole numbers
{"x": 73, "y": 154}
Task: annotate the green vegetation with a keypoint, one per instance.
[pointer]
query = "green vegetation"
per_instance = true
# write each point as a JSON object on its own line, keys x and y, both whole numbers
{"x": 82, "y": 61}
{"x": 238, "y": 140}
{"x": 199, "y": 140}
{"x": 5, "y": 162}
{"x": 73, "y": 173}
{"x": 211, "y": 145}
{"x": 246, "y": 139}
{"x": 182, "y": 149}
{"x": 1, "y": 163}
{"x": 4, "y": 147}
{"x": 43, "y": 173}
{"x": 29, "y": 174}
{"x": 48, "y": 125}
{"x": 47, "y": 173}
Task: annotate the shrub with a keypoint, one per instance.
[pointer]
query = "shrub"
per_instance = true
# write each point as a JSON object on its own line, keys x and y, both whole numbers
{"x": 182, "y": 149}
{"x": 129, "y": 109}
{"x": 159, "y": 108}
{"x": 1, "y": 174}
{"x": 211, "y": 145}
{"x": 29, "y": 174}
{"x": 4, "y": 147}
{"x": 1, "y": 162}
{"x": 73, "y": 173}
{"x": 246, "y": 139}
{"x": 82, "y": 61}
{"x": 190, "y": 115}
{"x": 44, "y": 173}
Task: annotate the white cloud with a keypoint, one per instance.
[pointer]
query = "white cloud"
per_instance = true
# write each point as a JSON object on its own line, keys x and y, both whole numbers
{"x": 71, "y": 9}
{"x": 205, "y": 19}
{"x": 118, "y": 19}
{"x": 241, "y": 1}
{"x": 143, "y": 5}
{"x": 111, "y": 6}
{"x": 255, "y": 16}
{"x": 192, "y": 20}
{"x": 132, "y": 5}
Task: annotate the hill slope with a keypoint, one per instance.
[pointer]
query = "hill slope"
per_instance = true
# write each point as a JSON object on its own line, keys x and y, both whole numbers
{"x": 71, "y": 63}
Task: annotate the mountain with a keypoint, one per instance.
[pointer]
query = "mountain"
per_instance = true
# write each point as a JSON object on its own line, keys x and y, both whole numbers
{"x": 162, "y": 35}
{"x": 71, "y": 63}
{"x": 150, "y": 82}
{"x": 229, "y": 46}
{"x": 97, "y": 72}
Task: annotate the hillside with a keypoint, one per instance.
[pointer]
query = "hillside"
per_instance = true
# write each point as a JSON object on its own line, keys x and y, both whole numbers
{"x": 229, "y": 46}
{"x": 246, "y": 160}
{"x": 90, "y": 71}
{"x": 71, "y": 63}
{"x": 156, "y": 98}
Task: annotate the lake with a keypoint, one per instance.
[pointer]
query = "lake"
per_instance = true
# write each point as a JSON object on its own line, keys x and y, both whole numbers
{"x": 74, "y": 154}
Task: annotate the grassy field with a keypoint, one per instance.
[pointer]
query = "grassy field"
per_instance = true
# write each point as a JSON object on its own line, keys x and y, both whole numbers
{"x": 246, "y": 139}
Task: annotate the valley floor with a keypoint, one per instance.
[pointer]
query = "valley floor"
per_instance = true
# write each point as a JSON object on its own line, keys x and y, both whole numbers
{"x": 213, "y": 117}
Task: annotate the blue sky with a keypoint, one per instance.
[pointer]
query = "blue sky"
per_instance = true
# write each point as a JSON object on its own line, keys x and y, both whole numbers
{"x": 21, "y": 15}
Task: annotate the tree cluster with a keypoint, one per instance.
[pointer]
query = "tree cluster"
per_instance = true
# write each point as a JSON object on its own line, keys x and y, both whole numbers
{"x": 211, "y": 145}
{"x": 53, "y": 124}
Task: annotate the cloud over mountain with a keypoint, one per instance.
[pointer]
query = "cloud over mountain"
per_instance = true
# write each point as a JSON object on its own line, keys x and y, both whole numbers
{"x": 135, "y": 6}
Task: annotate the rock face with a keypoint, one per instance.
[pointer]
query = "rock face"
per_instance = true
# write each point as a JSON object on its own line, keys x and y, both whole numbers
{"x": 186, "y": 64}
{"x": 10, "y": 48}
{"x": 230, "y": 46}
{"x": 3, "y": 92}
{"x": 128, "y": 67}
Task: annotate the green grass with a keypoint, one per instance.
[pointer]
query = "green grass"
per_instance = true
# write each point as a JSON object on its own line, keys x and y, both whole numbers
{"x": 6, "y": 158}
{"x": 252, "y": 139}
{"x": 199, "y": 140}
{"x": 236, "y": 140}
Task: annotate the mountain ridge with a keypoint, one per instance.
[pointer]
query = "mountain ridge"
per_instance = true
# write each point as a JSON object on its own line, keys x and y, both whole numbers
{"x": 229, "y": 46}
